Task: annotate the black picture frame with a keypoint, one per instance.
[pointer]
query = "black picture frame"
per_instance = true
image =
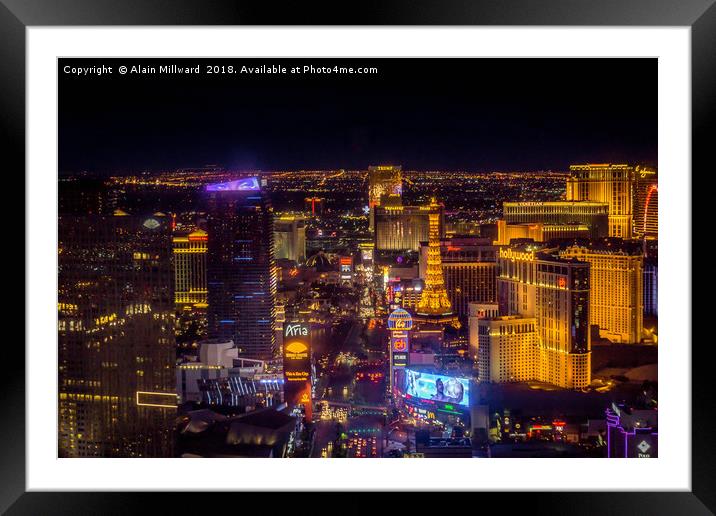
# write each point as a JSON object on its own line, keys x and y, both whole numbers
{"x": 17, "y": 15}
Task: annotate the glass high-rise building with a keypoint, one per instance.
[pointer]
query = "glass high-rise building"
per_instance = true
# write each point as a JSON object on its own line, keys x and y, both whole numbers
{"x": 116, "y": 336}
{"x": 241, "y": 272}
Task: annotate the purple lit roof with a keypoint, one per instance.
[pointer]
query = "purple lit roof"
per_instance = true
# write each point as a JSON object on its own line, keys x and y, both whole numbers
{"x": 246, "y": 184}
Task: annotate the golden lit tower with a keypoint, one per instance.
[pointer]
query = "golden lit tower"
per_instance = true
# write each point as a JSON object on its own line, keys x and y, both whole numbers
{"x": 434, "y": 299}
{"x": 190, "y": 269}
{"x": 607, "y": 183}
{"x": 382, "y": 180}
{"x": 434, "y": 302}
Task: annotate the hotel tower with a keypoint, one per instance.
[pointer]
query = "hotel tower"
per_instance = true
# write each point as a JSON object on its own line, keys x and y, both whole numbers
{"x": 610, "y": 184}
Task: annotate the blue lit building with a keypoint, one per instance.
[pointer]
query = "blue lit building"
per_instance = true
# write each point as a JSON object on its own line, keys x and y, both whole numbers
{"x": 651, "y": 287}
{"x": 241, "y": 278}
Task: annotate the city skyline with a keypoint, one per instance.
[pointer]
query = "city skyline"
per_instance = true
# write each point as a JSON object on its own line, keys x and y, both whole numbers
{"x": 527, "y": 316}
{"x": 368, "y": 310}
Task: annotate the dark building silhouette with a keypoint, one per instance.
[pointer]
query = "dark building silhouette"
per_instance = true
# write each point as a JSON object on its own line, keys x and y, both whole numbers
{"x": 116, "y": 336}
{"x": 85, "y": 196}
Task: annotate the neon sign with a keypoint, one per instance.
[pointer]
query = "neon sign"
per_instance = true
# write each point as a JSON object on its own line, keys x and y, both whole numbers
{"x": 510, "y": 254}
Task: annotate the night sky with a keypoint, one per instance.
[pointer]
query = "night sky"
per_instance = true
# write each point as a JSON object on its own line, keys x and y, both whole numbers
{"x": 426, "y": 114}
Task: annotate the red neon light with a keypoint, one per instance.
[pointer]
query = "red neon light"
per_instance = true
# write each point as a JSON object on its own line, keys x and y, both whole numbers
{"x": 646, "y": 204}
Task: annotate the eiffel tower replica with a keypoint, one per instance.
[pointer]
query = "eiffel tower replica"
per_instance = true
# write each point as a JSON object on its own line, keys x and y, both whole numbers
{"x": 434, "y": 306}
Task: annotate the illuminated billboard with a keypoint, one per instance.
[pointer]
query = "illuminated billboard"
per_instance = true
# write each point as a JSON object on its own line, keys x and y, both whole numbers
{"x": 297, "y": 365}
{"x": 248, "y": 184}
{"x": 399, "y": 341}
{"x": 437, "y": 387}
{"x": 400, "y": 359}
{"x": 296, "y": 352}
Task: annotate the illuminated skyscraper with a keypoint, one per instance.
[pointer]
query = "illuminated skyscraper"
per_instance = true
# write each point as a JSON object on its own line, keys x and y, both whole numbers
{"x": 290, "y": 238}
{"x": 533, "y": 283}
{"x": 241, "y": 267}
{"x": 617, "y": 283}
{"x": 190, "y": 269}
{"x": 382, "y": 180}
{"x": 116, "y": 336}
{"x": 610, "y": 184}
{"x": 646, "y": 203}
{"x": 565, "y": 347}
{"x": 434, "y": 305}
{"x": 402, "y": 228}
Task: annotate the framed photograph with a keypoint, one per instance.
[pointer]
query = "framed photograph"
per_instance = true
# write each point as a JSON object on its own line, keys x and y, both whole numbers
{"x": 279, "y": 241}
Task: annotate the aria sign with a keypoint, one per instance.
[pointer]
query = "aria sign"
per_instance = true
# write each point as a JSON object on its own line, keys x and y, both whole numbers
{"x": 295, "y": 330}
{"x": 296, "y": 352}
{"x": 297, "y": 365}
